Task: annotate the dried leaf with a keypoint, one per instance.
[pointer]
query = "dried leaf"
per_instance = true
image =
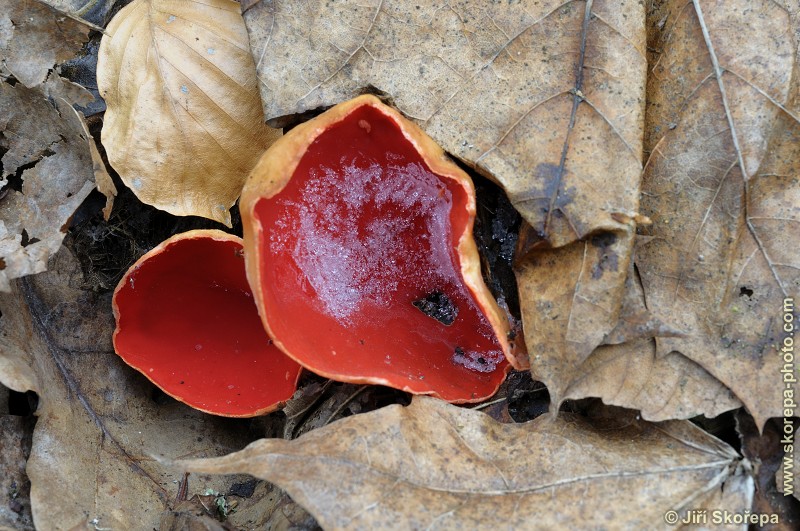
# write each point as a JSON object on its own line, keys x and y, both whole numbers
{"x": 184, "y": 123}
{"x": 56, "y": 87}
{"x": 721, "y": 189}
{"x": 635, "y": 320}
{"x": 99, "y": 422}
{"x": 570, "y": 298}
{"x": 668, "y": 387}
{"x": 47, "y": 148}
{"x": 104, "y": 182}
{"x": 436, "y": 465}
{"x": 34, "y": 38}
{"x": 546, "y": 97}
{"x": 88, "y": 12}
{"x": 625, "y": 372}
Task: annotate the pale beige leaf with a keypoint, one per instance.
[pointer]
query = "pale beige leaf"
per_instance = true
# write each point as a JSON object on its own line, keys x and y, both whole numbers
{"x": 432, "y": 465}
{"x": 52, "y": 144}
{"x": 184, "y": 124}
{"x": 635, "y": 320}
{"x": 545, "y": 97}
{"x": 721, "y": 188}
{"x": 99, "y": 422}
{"x": 34, "y": 38}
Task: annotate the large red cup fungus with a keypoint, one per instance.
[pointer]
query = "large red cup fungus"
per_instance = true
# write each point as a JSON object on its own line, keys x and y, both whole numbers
{"x": 186, "y": 320}
{"x": 358, "y": 244}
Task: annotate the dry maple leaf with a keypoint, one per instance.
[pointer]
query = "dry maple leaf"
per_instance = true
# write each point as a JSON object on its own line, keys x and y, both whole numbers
{"x": 184, "y": 123}
{"x": 434, "y": 465}
{"x": 722, "y": 189}
{"x": 545, "y": 97}
{"x": 715, "y": 265}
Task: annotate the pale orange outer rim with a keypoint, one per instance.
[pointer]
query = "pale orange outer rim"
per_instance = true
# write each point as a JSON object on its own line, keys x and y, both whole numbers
{"x": 198, "y": 234}
{"x": 275, "y": 169}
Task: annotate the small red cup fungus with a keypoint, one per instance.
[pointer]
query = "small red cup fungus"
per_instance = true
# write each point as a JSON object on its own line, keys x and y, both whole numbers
{"x": 187, "y": 321}
{"x": 358, "y": 244}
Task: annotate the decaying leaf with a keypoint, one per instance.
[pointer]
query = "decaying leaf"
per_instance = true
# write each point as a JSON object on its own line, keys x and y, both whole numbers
{"x": 184, "y": 123}
{"x": 570, "y": 298}
{"x": 545, "y": 97}
{"x": 47, "y": 172}
{"x": 95, "y": 13}
{"x": 624, "y": 370}
{"x": 56, "y": 87}
{"x": 721, "y": 187}
{"x": 34, "y": 38}
{"x": 433, "y": 465}
{"x": 99, "y": 422}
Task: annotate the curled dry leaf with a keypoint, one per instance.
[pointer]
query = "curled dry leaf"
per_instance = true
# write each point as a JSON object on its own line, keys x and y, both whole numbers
{"x": 48, "y": 148}
{"x": 103, "y": 181}
{"x": 184, "y": 123}
{"x": 99, "y": 422}
{"x": 722, "y": 191}
{"x": 434, "y": 465}
{"x": 545, "y": 97}
{"x": 34, "y": 38}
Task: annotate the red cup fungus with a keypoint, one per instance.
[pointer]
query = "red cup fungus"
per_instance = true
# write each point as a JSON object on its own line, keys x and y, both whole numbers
{"x": 359, "y": 249}
{"x": 187, "y": 321}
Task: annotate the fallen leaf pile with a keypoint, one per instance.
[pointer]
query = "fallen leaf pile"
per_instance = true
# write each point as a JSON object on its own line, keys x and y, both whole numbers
{"x": 651, "y": 149}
